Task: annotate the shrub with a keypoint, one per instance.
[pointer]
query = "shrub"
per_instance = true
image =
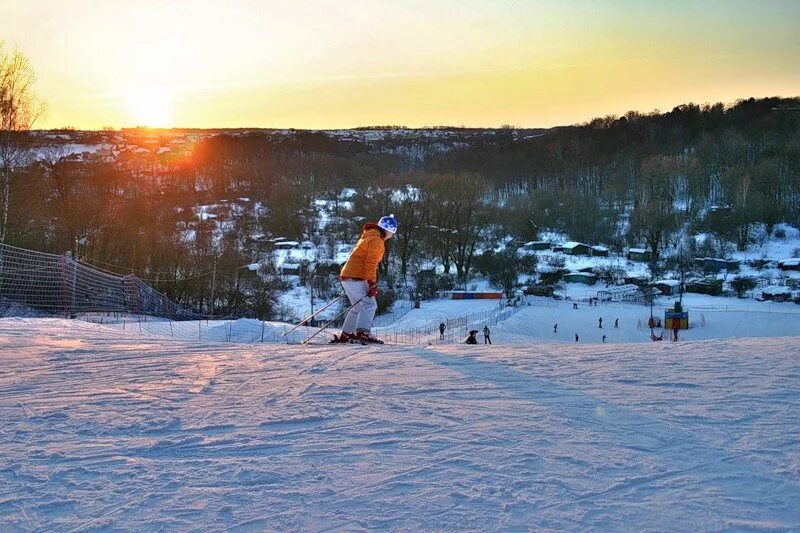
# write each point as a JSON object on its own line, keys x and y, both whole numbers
{"x": 758, "y": 264}
{"x": 429, "y": 284}
{"x": 742, "y": 284}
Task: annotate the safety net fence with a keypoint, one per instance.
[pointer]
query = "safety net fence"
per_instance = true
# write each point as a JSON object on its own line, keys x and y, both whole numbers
{"x": 38, "y": 283}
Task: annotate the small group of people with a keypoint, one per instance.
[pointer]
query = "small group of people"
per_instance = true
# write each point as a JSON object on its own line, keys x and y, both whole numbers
{"x": 599, "y": 325}
{"x": 472, "y": 339}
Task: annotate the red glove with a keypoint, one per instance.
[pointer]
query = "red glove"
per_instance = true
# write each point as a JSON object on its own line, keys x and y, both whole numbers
{"x": 373, "y": 289}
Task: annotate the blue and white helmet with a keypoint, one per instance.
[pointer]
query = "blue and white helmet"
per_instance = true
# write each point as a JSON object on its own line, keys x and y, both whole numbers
{"x": 388, "y": 224}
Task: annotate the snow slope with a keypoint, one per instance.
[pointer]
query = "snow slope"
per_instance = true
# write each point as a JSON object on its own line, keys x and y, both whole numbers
{"x": 749, "y": 319}
{"x": 105, "y": 430}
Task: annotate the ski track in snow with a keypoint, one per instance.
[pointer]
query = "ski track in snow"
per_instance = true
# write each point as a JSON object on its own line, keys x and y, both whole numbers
{"x": 104, "y": 430}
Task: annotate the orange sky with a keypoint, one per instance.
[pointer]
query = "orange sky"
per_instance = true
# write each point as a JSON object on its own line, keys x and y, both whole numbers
{"x": 345, "y": 63}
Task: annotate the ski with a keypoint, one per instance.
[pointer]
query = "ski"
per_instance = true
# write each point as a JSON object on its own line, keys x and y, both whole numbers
{"x": 309, "y": 317}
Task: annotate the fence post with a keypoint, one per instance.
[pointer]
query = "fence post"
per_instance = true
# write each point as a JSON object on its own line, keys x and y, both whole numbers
{"x": 199, "y": 330}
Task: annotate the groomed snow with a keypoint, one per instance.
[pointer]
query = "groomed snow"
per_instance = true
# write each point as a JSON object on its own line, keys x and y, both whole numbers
{"x": 105, "y": 430}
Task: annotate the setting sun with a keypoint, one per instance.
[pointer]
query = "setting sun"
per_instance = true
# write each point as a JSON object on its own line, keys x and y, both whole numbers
{"x": 150, "y": 108}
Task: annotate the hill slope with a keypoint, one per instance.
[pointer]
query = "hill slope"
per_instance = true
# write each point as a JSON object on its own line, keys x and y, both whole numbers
{"x": 105, "y": 429}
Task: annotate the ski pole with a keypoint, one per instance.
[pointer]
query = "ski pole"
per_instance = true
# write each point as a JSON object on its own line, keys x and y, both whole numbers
{"x": 331, "y": 321}
{"x": 309, "y": 317}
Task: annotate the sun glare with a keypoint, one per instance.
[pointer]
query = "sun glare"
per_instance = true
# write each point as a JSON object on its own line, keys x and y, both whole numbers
{"x": 150, "y": 108}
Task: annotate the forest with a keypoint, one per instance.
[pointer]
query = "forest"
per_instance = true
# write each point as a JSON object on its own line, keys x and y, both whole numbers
{"x": 466, "y": 199}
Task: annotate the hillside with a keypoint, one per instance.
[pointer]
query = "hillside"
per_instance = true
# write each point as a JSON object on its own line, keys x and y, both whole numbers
{"x": 106, "y": 430}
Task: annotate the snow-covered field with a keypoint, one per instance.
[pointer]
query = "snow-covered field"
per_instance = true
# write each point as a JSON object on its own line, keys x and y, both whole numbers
{"x": 103, "y": 430}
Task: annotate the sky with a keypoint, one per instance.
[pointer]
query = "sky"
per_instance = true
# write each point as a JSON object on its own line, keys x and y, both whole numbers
{"x": 347, "y": 63}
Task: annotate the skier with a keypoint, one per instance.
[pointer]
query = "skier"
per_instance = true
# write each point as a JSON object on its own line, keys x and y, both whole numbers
{"x": 486, "y": 338}
{"x": 359, "y": 277}
{"x": 471, "y": 339}
{"x": 555, "y": 328}
{"x": 576, "y": 336}
{"x": 442, "y": 327}
{"x": 604, "y": 338}
{"x": 675, "y": 335}
{"x": 574, "y": 305}
{"x": 600, "y": 323}
{"x": 616, "y": 322}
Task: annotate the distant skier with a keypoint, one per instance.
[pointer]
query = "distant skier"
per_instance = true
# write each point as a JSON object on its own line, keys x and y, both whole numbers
{"x": 472, "y": 339}
{"x": 574, "y": 305}
{"x": 576, "y": 336}
{"x": 675, "y": 335}
{"x": 486, "y": 338}
{"x": 555, "y": 328}
{"x": 616, "y": 322}
{"x": 442, "y": 327}
{"x": 359, "y": 277}
{"x": 604, "y": 338}
{"x": 600, "y": 323}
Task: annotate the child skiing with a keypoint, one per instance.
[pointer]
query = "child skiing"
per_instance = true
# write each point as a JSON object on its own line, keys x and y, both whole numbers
{"x": 359, "y": 277}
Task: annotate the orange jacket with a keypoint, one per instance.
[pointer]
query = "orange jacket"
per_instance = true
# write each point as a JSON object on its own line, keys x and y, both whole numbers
{"x": 364, "y": 259}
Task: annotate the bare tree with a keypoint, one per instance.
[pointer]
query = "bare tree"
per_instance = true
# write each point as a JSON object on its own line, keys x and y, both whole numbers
{"x": 19, "y": 109}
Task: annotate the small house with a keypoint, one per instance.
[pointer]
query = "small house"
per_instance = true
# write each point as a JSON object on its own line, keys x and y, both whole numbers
{"x": 639, "y": 281}
{"x": 616, "y": 293}
{"x": 549, "y": 275}
{"x": 668, "y": 287}
{"x": 775, "y": 293}
{"x": 789, "y": 264}
{"x": 599, "y": 251}
{"x": 587, "y": 278}
{"x": 290, "y": 269}
{"x": 638, "y": 254}
{"x": 711, "y": 287}
{"x": 537, "y": 245}
{"x": 575, "y": 248}
{"x": 714, "y": 265}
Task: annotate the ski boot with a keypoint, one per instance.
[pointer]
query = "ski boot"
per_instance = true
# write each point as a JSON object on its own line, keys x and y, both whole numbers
{"x": 343, "y": 338}
{"x": 366, "y": 338}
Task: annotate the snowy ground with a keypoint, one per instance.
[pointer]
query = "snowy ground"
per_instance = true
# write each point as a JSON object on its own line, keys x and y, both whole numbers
{"x": 105, "y": 430}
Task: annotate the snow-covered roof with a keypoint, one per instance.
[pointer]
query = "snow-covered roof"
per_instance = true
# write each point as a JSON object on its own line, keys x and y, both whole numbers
{"x": 253, "y": 266}
{"x": 775, "y": 289}
{"x": 287, "y": 244}
{"x": 617, "y": 289}
{"x": 599, "y": 248}
{"x": 638, "y": 250}
{"x": 668, "y": 282}
{"x": 579, "y": 273}
{"x": 572, "y": 244}
{"x": 790, "y": 262}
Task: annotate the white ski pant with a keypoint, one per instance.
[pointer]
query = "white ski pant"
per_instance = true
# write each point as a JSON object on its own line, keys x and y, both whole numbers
{"x": 360, "y": 316}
